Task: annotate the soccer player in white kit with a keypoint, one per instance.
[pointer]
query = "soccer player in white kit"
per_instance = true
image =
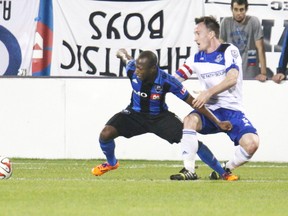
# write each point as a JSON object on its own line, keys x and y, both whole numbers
{"x": 219, "y": 69}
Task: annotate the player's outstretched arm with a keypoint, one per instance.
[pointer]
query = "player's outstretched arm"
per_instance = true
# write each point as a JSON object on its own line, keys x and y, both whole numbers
{"x": 123, "y": 55}
{"x": 224, "y": 125}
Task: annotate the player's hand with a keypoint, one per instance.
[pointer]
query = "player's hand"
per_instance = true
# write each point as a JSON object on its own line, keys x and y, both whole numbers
{"x": 261, "y": 77}
{"x": 277, "y": 78}
{"x": 201, "y": 99}
{"x": 121, "y": 53}
{"x": 225, "y": 125}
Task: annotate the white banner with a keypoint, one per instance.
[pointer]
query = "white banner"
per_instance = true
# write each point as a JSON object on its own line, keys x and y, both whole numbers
{"x": 88, "y": 33}
{"x": 273, "y": 16}
{"x": 17, "y": 32}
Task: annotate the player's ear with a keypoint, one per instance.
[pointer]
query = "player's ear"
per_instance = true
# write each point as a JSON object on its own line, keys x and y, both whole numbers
{"x": 211, "y": 34}
{"x": 154, "y": 68}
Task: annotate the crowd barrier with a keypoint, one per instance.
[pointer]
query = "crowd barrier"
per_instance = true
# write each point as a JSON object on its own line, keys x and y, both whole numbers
{"x": 62, "y": 118}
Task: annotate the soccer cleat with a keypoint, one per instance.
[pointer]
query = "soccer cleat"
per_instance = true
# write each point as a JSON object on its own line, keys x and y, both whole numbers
{"x": 184, "y": 175}
{"x": 103, "y": 168}
{"x": 228, "y": 176}
{"x": 214, "y": 176}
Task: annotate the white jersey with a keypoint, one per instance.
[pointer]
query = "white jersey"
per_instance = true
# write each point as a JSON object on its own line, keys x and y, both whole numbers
{"x": 211, "y": 69}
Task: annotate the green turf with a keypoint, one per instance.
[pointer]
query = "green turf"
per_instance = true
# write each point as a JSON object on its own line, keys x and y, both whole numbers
{"x": 66, "y": 187}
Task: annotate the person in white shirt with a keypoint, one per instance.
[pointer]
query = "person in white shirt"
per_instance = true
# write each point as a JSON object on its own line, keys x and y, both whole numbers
{"x": 219, "y": 69}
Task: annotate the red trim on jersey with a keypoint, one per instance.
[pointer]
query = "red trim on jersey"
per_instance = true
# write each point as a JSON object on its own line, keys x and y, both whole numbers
{"x": 183, "y": 90}
{"x": 182, "y": 73}
{"x": 188, "y": 68}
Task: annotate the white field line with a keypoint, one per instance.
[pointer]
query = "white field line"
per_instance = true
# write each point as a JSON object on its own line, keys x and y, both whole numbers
{"x": 135, "y": 166}
{"x": 144, "y": 180}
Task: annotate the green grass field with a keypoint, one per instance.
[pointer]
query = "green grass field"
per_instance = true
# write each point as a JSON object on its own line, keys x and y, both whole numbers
{"x": 66, "y": 187}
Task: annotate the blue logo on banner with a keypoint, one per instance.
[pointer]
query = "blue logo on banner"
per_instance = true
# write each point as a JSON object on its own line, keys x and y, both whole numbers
{"x": 14, "y": 51}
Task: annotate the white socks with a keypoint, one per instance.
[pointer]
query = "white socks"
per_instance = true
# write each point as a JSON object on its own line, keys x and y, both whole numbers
{"x": 189, "y": 148}
{"x": 240, "y": 157}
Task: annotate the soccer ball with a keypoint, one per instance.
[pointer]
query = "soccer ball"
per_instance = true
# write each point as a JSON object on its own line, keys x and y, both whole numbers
{"x": 5, "y": 168}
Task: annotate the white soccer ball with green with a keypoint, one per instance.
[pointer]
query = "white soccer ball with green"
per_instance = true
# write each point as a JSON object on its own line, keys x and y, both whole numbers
{"x": 5, "y": 168}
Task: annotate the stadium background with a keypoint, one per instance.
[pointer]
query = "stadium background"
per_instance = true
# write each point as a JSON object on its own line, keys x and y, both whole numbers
{"x": 73, "y": 82}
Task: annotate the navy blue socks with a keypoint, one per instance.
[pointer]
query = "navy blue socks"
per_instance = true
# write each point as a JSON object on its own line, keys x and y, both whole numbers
{"x": 207, "y": 157}
{"x": 108, "y": 149}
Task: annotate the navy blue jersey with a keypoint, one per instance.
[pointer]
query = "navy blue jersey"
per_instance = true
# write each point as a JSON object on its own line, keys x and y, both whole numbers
{"x": 150, "y": 97}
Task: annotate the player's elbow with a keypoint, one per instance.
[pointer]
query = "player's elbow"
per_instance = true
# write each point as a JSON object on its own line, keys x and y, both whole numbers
{"x": 233, "y": 81}
{"x": 232, "y": 77}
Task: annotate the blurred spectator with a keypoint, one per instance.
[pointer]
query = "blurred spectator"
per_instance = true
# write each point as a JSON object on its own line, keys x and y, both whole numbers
{"x": 246, "y": 33}
{"x": 283, "y": 61}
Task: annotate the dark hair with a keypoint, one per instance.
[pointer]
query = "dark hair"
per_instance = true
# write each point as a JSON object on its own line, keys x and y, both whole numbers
{"x": 210, "y": 22}
{"x": 152, "y": 58}
{"x": 240, "y": 2}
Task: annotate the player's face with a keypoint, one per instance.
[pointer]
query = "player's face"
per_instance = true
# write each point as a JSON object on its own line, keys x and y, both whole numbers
{"x": 143, "y": 71}
{"x": 238, "y": 12}
{"x": 202, "y": 37}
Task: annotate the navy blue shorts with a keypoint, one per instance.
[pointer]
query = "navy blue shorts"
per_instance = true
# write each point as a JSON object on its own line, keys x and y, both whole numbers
{"x": 165, "y": 125}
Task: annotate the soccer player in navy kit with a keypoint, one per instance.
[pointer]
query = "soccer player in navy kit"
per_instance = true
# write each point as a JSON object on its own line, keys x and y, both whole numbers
{"x": 148, "y": 112}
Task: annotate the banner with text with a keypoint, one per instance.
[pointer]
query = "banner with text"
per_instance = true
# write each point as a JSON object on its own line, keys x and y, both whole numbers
{"x": 273, "y": 16}
{"x": 17, "y": 32}
{"x": 88, "y": 33}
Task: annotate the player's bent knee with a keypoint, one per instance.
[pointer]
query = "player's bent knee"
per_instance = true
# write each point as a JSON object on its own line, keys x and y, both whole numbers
{"x": 250, "y": 142}
{"x": 191, "y": 121}
{"x": 254, "y": 145}
{"x": 252, "y": 148}
{"x": 108, "y": 133}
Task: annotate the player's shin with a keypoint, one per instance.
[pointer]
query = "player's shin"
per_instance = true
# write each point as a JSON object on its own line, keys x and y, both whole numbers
{"x": 207, "y": 157}
{"x": 108, "y": 149}
{"x": 189, "y": 147}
